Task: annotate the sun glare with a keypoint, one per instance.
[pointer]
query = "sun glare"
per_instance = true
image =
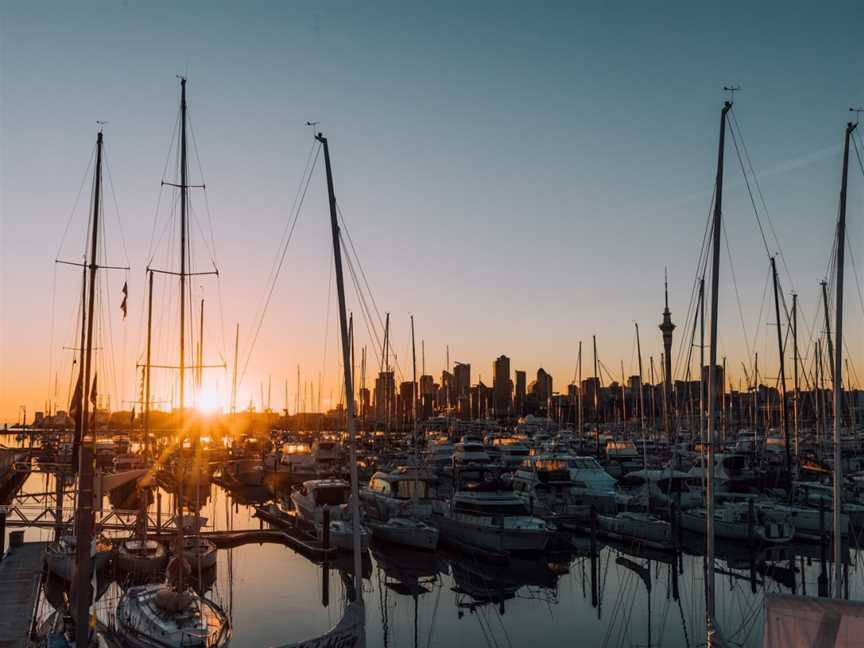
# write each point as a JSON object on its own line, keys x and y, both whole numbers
{"x": 209, "y": 401}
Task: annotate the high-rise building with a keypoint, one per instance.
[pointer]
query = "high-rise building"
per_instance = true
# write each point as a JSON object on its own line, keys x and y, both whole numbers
{"x": 542, "y": 387}
{"x": 520, "y": 392}
{"x": 502, "y": 386}
{"x": 462, "y": 374}
{"x": 385, "y": 396}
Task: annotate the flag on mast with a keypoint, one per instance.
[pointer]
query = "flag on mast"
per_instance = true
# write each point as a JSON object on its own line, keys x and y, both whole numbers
{"x": 125, "y": 298}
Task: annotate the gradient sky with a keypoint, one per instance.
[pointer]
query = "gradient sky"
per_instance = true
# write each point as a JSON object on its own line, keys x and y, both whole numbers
{"x": 516, "y": 175}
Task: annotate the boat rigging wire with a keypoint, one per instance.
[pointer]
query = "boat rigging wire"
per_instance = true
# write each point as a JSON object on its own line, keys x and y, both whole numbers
{"x": 287, "y": 236}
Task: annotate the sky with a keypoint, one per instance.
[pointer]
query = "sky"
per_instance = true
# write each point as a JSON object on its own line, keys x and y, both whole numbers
{"x": 515, "y": 175}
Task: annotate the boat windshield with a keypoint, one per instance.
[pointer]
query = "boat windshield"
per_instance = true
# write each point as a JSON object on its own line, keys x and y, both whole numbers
{"x": 331, "y": 495}
{"x": 492, "y": 508}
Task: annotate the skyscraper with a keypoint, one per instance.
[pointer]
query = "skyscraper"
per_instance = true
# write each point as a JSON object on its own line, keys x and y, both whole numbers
{"x": 521, "y": 388}
{"x": 501, "y": 385}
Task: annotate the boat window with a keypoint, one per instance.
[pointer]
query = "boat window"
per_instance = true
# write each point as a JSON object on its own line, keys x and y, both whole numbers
{"x": 331, "y": 496}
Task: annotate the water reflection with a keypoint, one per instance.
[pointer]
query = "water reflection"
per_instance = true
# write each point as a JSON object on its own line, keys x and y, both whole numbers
{"x": 602, "y": 593}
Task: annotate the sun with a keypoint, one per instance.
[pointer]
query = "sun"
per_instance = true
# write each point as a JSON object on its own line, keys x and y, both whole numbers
{"x": 209, "y": 401}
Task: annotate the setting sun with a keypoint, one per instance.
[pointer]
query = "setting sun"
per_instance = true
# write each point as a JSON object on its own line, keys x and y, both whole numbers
{"x": 209, "y": 401}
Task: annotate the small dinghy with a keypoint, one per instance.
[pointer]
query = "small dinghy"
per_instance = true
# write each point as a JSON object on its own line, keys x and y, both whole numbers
{"x": 138, "y": 556}
{"x": 60, "y": 555}
{"x": 199, "y": 552}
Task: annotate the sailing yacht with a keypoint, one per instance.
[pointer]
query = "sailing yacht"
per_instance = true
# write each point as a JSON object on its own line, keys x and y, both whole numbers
{"x": 173, "y": 614}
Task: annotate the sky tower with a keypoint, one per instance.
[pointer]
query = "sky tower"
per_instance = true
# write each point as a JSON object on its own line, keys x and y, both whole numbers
{"x": 666, "y": 327}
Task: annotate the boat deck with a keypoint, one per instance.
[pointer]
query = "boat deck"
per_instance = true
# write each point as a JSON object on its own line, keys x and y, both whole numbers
{"x": 20, "y": 575}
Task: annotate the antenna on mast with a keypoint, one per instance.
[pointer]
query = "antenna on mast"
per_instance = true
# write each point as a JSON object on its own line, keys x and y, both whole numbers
{"x": 732, "y": 89}
{"x": 857, "y": 112}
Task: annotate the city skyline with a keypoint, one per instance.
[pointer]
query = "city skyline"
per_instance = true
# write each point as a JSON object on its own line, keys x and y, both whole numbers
{"x": 514, "y": 219}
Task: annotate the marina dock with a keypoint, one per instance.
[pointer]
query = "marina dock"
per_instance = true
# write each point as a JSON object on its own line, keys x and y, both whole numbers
{"x": 20, "y": 576}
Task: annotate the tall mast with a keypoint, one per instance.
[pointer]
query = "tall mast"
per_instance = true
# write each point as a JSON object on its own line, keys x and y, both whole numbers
{"x": 641, "y": 391}
{"x": 838, "y": 364}
{"x": 76, "y": 439}
{"x": 596, "y": 398}
{"x": 346, "y": 364}
{"x": 702, "y": 364}
{"x": 183, "y": 243}
{"x": 200, "y": 368}
{"x": 234, "y": 370}
{"x": 84, "y": 512}
{"x": 579, "y": 391}
{"x": 796, "y": 386}
{"x": 824, "y": 285}
{"x": 147, "y": 362}
{"x": 783, "y": 423}
{"x": 712, "y": 361}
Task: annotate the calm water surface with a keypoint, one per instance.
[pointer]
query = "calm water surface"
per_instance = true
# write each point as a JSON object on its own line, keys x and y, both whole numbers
{"x": 275, "y": 595}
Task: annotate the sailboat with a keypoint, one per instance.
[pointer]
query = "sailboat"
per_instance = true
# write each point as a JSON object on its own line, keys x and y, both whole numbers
{"x": 173, "y": 614}
{"x": 810, "y": 621}
{"x": 350, "y": 631}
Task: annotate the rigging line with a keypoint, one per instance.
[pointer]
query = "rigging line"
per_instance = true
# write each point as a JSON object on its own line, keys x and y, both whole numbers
{"x": 701, "y": 266}
{"x": 51, "y": 335}
{"x": 762, "y": 200}
{"x": 737, "y": 292}
{"x": 330, "y": 265}
{"x": 364, "y": 310}
{"x": 151, "y": 248}
{"x": 368, "y": 287}
{"x": 75, "y": 204}
{"x": 107, "y": 168}
{"x": 293, "y": 223}
{"x": 169, "y": 227}
{"x": 857, "y": 280}
{"x": 750, "y": 192}
{"x": 203, "y": 184}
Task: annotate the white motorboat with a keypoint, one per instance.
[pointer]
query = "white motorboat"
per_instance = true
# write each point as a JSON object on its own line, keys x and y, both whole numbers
{"x": 409, "y": 532}
{"x": 733, "y": 522}
{"x": 636, "y": 525}
{"x": 402, "y": 492}
{"x": 490, "y": 518}
{"x": 310, "y": 499}
{"x": 342, "y": 535}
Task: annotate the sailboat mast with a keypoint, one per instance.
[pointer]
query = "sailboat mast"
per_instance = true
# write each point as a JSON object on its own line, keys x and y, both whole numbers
{"x": 84, "y": 512}
{"x": 838, "y": 364}
{"x": 796, "y": 386}
{"x": 712, "y": 374}
{"x": 824, "y": 285}
{"x": 702, "y": 363}
{"x": 783, "y": 423}
{"x": 346, "y": 364}
{"x": 641, "y": 390}
{"x": 147, "y": 362}
{"x": 234, "y": 369}
{"x": 579, "y": 391}
{"x": 183, "y": 228}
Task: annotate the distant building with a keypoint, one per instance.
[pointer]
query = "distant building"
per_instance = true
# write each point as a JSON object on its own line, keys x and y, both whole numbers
{"x": 502, "y": 385}
{"x": 542, "y": 388}
{"x": 521, "y": 390}
{"x": 385, "y": 396}
{"x": 462, "y": 374}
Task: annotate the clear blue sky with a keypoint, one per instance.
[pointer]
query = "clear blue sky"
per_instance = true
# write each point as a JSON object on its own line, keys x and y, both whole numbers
{"x": 517, "y": 175}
